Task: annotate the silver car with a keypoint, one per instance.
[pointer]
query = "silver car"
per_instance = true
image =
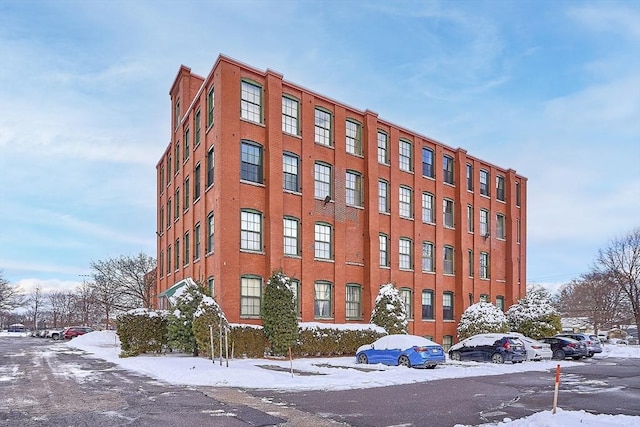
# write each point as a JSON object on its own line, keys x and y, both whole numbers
{"x": 536, "y": 350}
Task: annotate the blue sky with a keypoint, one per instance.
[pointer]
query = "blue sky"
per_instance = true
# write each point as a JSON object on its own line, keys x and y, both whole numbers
{"x": 548, "y": 88}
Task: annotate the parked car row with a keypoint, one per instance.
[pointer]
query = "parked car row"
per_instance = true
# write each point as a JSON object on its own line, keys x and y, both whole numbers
{"x": 64, "y": 333}
{"x": 418, "y": 352}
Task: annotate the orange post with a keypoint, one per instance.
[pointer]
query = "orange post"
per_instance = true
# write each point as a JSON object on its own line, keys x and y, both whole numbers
{"x": 555, "y": 395}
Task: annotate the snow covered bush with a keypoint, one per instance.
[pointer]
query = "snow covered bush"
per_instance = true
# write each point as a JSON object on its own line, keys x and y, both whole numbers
{"x": 534, "y": 315}
{"x": 481, "y": 318}
{"x": 389, "y": 311}
{"x": 142, "y": 331}
{"x": 208, "y": 314}
{"x": 186, "y": 301}
{"x": 279, "y": 317}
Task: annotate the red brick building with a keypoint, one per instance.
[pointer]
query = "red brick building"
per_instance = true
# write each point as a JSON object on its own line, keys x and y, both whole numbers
{"x": 262, "y": 174}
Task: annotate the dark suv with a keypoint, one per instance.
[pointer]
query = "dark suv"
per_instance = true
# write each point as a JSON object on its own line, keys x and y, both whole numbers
{"x": 563, "y": 347}
{"x": 75, "y": 331}
{"x": 591, "y": 341}
{"x": 497, "y": 348}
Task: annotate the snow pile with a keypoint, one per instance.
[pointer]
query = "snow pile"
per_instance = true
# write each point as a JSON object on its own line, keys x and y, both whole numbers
{"x": 568, "y": 418}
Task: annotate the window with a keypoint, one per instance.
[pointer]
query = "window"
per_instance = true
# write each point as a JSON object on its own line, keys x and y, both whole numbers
{"x": 447, "y": 306}
{"x": 383, "y": 196}
{"x": 187, "y": 248}
{"x": 470, "y": 266}
{"x": 210, "y": 164}
{"x": 177, "y": 157}
{"x": 406, "y": 202}
{"x": 251, "y": 102}
{"x": 406, "y": 297}
{"x": 404, "y": 254}
{"x": 447, "y": 213}
{"x": 187, "y": 194}
{"x": 484, "y": 183}
{"x": 518, "y": 230}
{"x": 484, "y": 223}
{"x": 517, "y": 194}
{"x": 169, "y": 213}
{"x": 322, "y": 300}
{"x": 211, "y": 285}
{"x": 447, "y": 170}
{"x": 322, "y": 127}
{"x": 162, "y": 182}
{"x": 196, "y": 242}
{"x": 169, "y": 170}
{"x": 176, "y": 213}
{"x": 322, "y": 176}
{"x": 448, "y": 260}
{"x": 354, "y": 137}
{"x": 169, "y": 260}
{"x": 177, "y": 253}
{"x": 500, "y": 302}
{"x": 196, "y": 184}
{"x": 427, "y": 305}
{"x": 406, "y": 156}
{"x": 383, "y": 148}
{"x": 323, "y": 243}
{"x": 447, "y": 342}
{"x": 353, "y": 301}
{"x": 500, "y": 188}
{"x": 161, "y": 264}
{"x": 353, "y": 189}
{"x": 186, "y": 145}
{"x": 250, "y": 230}
{"x": 484, "y": 265}
{"x": 295, "y": 288}
{"x": 290, "y": 179}
{"x": 427, "y": 257}
{"x": 210, "y": 103}
{"x": 500, "y": 233}
{"x": 210, "y": 232}
{"x": 291, "y": 230}
{"x": 427, "y": 162}
{"x": 251, "y": 163}
{"x": 161, "y": 220}
{"x": 176, "y": 114}
{"x": 469, "y": 177}
{"x": 427, "y": 208}
{"x": 250, "y": 296}
{"x": 384, "y": 250}
{"x": 197, "y": 126}
{"x": 289, "y": 115}
{"x": 470, "y": 218}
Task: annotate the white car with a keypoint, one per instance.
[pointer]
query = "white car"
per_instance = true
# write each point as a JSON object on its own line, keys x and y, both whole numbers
{"x": 56, "y": 334}
{"x": 536, "y": 350}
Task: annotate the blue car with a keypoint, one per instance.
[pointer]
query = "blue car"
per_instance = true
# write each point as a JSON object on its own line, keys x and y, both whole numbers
{"x": 496, "y": 348}
{"x": 411, "y": 351}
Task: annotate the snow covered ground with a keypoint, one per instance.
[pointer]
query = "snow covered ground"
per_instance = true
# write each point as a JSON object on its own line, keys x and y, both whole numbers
{"x": 337, "y": 374}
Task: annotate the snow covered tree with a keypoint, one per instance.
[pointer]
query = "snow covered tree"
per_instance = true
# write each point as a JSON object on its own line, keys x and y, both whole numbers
{"x": 208, "y": 313}
{"x": 534, "y": 315}
{"x": 389, "y": 311}
{"x": 181, "y": 337}
{"x": 279, "y": 317}
{"x": 482, "y": 318}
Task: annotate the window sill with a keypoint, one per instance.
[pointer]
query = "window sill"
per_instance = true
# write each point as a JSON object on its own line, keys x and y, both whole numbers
{"x": 256, "y": 184}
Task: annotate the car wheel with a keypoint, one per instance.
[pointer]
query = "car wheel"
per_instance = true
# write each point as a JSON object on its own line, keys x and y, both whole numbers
{"x": 558, "y": 355}
{"x": 362, "y": 358}
{"x": 404, "y": 361}
{"x": 590, "y": 354}
{"x": 431, "y": 367}
{"x": 455, "y": 356}
{"x": 55, "y": 336}
{"x": 497, "y": 358}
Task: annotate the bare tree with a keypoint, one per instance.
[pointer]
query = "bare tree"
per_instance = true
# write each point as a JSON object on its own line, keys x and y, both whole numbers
{"x": 56, "y": 301}
{"x": 621, "y": 260}
{"x": 594, "y": 296}
{"x": 84, "y": 304}
{"x": 36, "y": 305}
{"x": 129, "y": 275}
{"x": 10, "y": 296}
